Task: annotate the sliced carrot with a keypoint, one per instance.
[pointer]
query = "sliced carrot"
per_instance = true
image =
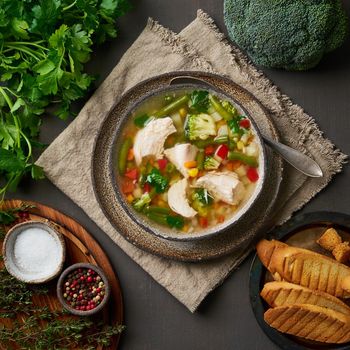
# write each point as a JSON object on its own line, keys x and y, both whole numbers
{"x": 220, "y": 218}
{"x": 130, "y": 198}
{"x": 132, "y": 174}
{"x": 130, "y": 155}
{"x": 190, "y": 164}
{"x": 233, "y": 165}
{"x": 203, "y": 221}
{"x": 216, "y": 205}
{"x": 127, "y": 186}
{"x": 209, "y": 150}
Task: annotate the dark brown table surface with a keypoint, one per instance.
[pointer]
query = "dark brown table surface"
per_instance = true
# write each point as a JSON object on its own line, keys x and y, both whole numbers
{"x": 154, "y": 319}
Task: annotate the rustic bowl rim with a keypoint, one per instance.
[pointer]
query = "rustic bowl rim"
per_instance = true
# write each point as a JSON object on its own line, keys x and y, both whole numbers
{"x": 137, "y": 217}
{"x": 100, "y": 272}
{"x": 17, "y": 229}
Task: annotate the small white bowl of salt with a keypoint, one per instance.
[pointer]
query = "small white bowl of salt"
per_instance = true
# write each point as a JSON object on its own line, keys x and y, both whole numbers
{"x": 34, "y": 252}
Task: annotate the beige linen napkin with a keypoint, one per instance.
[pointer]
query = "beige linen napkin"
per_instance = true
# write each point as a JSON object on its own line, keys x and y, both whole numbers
{"x": 200, "y": 46}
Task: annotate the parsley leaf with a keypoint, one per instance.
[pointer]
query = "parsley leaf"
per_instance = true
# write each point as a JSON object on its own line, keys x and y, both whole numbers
{"x": 199, "y": 101}
{"x": 44, "y": 45}
{"x": 157, "y": 180}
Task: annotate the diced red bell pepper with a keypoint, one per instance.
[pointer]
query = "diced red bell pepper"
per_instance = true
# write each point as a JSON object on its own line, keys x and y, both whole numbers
{"x": 244, "y": 123}
{"x": 209, "y": 150}
{"x": 222, "y": 152}
{"x": 253, "y": 175}
{"x": 132, "y": 174}
{"x": 146, "y": 187}
{"x": 162, "y": 163}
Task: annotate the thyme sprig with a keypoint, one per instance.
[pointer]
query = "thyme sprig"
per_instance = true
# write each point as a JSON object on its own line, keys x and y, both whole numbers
{"x": 38, "y": 327}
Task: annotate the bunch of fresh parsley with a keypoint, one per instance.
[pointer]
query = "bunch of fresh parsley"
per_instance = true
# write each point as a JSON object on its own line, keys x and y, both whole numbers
{"x": 44, "y": 45}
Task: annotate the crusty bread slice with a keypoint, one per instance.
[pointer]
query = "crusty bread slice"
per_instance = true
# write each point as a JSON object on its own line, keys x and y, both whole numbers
{"x": 285, "y": 293}
{"x": 311, "y": 322}
{"x": 305, "y": 267}
{"x": 265, "y": 249}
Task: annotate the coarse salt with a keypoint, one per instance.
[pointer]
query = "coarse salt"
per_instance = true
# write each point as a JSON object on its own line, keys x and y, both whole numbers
{"x": 37, "y": 252}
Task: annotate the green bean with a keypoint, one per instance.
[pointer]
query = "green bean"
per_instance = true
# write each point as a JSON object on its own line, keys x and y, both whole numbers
{"x": 219, "y": 140}
{"x": 249, "y": 160}
{"x": 123, "y": 155}
{"x": 160, "y": 219}
{"x": 171, "y": 107}
{"x": 158, "y": 210}
{"x": 200, "y": 160}
{"x": 218, "y": 107}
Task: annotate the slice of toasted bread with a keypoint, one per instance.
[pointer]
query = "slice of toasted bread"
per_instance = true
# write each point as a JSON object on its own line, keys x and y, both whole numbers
{"x": 310, "y": 322}
{"x": 285, "y": 293}
{"x": 305, "y": 267}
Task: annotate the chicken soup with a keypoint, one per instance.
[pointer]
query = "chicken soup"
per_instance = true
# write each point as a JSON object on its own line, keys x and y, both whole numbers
{"x": 189, "y": 160}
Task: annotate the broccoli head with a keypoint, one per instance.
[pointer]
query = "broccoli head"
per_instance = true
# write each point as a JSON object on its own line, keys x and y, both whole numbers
{"x": 200, "y": 126}
{"x": 289, "y": 34}
{"x": 140, "y": 203}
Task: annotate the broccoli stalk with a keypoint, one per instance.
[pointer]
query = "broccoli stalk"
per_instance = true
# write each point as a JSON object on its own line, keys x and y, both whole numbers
{"x": 210, "y": 163}
{"x": 200, "y": 126}
{"x": 302, "y": 31}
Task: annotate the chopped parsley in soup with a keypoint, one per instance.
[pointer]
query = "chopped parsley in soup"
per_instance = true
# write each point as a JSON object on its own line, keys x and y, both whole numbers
{"x": 188, "y": 160}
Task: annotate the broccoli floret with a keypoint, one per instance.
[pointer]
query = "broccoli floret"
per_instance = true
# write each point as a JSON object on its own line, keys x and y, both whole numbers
{"x": 201, "y": 201}
{"x": 203, "y": 196}
{"x": 140, "y": 203}
{"x": 289, "y": 34}
{"x": 210, "y": 163}
{"x": 156, "y": 179}
{"x": 200, "y": 126}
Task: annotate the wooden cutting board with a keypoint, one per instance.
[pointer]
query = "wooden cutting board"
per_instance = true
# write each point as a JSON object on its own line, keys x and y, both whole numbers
{"x": 81, "y": 247}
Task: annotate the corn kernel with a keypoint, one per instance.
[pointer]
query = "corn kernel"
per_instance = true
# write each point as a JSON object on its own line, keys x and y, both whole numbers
{"x": 130, "y": 198}
{"x": 185, "y": 228}
{"x": 240, "y": 145}
{"x": 193, "y": 172}
{"x": 183, "y": 112}
{"x": 190, "y": 164}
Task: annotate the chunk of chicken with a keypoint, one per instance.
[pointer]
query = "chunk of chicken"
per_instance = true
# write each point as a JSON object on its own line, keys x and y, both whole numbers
{"x": 224, "y": 186}
{"x": 150, "y": 140}
{"x": 180, "y": 154}
{"x": 177, "y": 199}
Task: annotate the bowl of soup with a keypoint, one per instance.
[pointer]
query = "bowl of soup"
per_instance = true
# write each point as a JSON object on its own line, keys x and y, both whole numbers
{"x": 187, "y": 161}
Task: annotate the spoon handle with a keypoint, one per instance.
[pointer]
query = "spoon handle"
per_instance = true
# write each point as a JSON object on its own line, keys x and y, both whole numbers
{"x": 298, "y": 160}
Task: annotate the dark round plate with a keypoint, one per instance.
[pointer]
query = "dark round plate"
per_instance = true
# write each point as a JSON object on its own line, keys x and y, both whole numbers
{"x": 301, "y": 231}
{"x": 236, "y": 238}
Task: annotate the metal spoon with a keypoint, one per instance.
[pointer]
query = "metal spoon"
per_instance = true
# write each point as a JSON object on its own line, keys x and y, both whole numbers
{"x": 298, "y": 160}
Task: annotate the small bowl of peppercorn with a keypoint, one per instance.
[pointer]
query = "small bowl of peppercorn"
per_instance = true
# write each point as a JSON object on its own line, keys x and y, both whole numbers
{"x": 83, "y": 289}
